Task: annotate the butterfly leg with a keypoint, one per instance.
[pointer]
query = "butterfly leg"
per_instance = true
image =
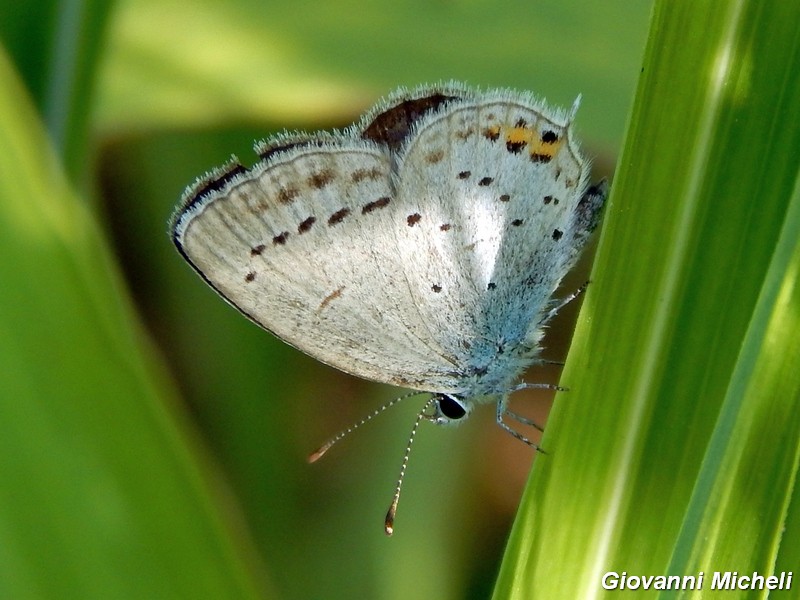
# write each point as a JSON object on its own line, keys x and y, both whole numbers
{"x": 544, "y": 361}
{"x": 553, "y": 311}
{"x": 539, "y": 386}
{"x": 523, "y": 420}
{"x": 524, "y": 386}
{"x": 501, "y": 411}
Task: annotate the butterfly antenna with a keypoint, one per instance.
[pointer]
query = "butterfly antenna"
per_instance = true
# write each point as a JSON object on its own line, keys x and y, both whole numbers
{"x": 317, "y": 454}
{"x": 388, "y": 524}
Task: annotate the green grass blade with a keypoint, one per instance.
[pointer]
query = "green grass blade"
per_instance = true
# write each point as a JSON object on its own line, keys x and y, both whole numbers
{"x": 68, "y": 101}
{"x": 100, "y": 497}
{"x": 57, "y": 46}
{"x": 692, "y": 284}
{"x": 739, "y": 506}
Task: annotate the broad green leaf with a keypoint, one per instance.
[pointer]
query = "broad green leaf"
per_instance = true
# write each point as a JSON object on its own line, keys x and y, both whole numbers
{"x": 57, "y": 46}
{"x": 676, "y": 449}
{"x": 103, "y": 495}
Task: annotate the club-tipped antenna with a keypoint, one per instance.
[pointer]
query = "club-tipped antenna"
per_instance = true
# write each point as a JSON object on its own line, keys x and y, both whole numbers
{"x": 317, "y": 454}
{"x": 388, "y": 524}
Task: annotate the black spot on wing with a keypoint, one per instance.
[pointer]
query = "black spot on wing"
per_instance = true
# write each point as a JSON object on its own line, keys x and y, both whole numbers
{"x": 338, "y": 216}
{"x": 306, "y": 224}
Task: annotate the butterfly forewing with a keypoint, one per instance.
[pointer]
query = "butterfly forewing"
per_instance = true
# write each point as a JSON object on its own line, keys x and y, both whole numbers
{"x": 303, "y": 245}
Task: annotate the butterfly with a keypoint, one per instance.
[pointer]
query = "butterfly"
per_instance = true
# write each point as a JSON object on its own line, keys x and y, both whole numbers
{"x": 421, "y": 247}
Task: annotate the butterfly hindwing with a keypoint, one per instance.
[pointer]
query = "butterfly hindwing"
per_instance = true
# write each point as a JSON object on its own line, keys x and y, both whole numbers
{"x": 487, "y": 207}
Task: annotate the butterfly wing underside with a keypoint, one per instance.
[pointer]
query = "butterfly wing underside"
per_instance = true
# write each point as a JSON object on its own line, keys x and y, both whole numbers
{"x": 409, "y": 256}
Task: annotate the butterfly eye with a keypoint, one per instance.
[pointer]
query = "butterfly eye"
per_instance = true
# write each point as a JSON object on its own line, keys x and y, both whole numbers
{"x": 449, "y": 409}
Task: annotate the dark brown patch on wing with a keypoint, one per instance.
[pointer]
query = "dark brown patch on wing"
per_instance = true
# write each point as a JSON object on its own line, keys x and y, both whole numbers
{"x": 338, "y": 216}
{"x": 393, "y": 125}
